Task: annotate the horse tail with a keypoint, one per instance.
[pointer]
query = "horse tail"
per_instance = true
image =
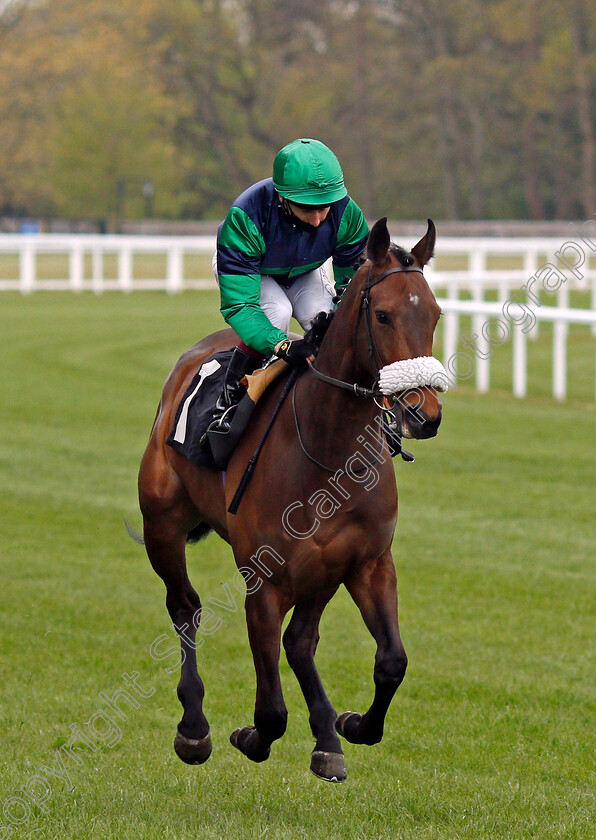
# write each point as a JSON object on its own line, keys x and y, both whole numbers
{"x": 132, "y": 532}
{"x": 194, "y": 536}
{"x": 199, "y": 533}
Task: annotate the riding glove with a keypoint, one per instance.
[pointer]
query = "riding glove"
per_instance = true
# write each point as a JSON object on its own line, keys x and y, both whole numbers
{"x": 294, "y": 351}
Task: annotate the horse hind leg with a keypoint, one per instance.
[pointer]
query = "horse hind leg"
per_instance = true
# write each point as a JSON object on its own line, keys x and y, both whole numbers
{"x": 300, "y": 642}
{"x": 375, "y": 593}
{"x": 166, "y": 551}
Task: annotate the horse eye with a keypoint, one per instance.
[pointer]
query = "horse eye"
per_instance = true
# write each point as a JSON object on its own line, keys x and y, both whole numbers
{"x": 382, "y": 317}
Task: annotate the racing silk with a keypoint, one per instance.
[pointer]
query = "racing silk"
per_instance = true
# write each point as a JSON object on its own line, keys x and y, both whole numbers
{"x": 257, "y": 238}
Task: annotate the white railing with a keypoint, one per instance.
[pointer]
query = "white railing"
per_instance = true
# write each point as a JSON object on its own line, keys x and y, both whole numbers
{"x": 539, "y": 257}
{"x": 571, "y": 256}
{"x": 85, "y": 260}
{"x": 86, "y": 256}
{"x": 519, "y": 321}
{"x": 86, "y": 253}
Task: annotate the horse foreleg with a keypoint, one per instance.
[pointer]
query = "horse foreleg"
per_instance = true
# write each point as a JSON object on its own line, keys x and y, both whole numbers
{"x": 374, "y": 590}
{"x": 300, "y": 642}
{"x": 166, "y": 551}
{"x": 264, "y": 617}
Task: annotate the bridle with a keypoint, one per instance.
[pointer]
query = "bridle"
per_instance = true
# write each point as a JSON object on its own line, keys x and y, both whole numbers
{"x": 392, "y": 411}
{"x": 365, "y": 309}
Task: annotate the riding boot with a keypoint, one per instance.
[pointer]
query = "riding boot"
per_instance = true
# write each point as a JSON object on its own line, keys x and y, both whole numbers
{"x": 241, "y": 363}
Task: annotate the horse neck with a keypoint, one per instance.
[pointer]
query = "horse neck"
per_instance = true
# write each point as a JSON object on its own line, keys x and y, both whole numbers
{"x": 332, "y": 418}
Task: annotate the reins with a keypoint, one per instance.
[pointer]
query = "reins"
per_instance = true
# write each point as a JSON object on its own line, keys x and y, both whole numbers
{"x": 299, "y": 436}
{"x": 305, "y": 451}
{"x": 250, "y": 468}
{"x": 358, "y": 390}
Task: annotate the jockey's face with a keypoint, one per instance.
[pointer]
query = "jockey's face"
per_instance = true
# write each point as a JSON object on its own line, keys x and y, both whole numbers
{"x": 310, "y": 215}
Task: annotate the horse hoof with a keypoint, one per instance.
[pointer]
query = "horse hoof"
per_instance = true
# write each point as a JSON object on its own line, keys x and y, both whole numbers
{"x": 193, "y": 751}
{"x": 347, "y": 724}
{"x": 328, "y": 766}
{"x": 240, "y": 739}
{"x": 234, "y": 737}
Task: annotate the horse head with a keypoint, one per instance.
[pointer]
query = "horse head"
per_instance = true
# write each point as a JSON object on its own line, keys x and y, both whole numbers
{"x": 394, "y": 315}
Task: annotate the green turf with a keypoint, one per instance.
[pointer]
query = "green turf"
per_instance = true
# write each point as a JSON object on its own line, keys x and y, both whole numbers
{"x": 490, "y": 736}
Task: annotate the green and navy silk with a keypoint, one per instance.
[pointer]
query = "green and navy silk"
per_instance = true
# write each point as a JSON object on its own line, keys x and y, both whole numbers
{"x": 257, "y": 238}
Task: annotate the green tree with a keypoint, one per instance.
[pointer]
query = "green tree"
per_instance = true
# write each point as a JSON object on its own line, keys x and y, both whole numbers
{"x": 80, "y": 109}
{"x": 462, "y": 110}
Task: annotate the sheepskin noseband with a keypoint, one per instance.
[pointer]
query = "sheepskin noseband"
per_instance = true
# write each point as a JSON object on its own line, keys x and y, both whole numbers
{"x": 413, "y": 373}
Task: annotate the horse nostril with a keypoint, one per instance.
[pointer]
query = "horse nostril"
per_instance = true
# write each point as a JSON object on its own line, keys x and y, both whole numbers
{"x": 419, "y": 424}
{"x": 416, "y": 415}
{"x": 419, "y": 415}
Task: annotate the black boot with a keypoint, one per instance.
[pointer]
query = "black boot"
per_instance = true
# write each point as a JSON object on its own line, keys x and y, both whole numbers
{"x": 241, "y": 363}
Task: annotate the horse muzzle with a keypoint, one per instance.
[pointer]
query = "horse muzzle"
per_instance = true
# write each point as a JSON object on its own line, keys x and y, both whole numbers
{"x": 413, "y": 381}
{"x": 417, "y": 424}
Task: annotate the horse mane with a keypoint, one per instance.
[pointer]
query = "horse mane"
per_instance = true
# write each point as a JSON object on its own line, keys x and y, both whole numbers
{"x": 318, "y": 328}
{"x": 404, "y": 257}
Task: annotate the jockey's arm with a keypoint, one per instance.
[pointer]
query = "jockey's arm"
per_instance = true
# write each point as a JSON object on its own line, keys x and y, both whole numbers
{"x": 351, "y": 242}
{"x": 240, "y": 249}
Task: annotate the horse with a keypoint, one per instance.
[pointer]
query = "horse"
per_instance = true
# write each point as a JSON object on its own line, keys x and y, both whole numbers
{"x": 320, "y": 511}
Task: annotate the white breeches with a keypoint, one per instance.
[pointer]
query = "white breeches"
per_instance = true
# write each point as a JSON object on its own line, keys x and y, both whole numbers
{"x": 306, "y": 297}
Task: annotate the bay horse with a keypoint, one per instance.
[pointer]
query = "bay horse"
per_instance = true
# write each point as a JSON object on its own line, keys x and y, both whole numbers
{"x": 321, "y": 508}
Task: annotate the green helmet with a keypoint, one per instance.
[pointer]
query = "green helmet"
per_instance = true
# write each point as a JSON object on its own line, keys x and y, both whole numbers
{"x": 307, "y": 172}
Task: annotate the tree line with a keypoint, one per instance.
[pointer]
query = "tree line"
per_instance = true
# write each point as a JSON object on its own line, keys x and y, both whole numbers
{"x": 465, "y": 110}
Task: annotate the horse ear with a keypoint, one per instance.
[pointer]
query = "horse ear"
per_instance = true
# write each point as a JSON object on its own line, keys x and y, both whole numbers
{"x": 378, "y": 242}
{"x": 425, "y": 249}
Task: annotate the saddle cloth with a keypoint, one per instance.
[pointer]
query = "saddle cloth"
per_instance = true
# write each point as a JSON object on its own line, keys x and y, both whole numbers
{"x": 196, "y": 407}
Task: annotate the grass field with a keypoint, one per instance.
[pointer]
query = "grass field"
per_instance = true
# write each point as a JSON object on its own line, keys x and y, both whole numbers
{"x": 490, "y": 736}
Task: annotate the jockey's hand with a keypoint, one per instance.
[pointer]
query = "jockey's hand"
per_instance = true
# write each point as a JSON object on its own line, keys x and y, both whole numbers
{"x": 295, "y": 351}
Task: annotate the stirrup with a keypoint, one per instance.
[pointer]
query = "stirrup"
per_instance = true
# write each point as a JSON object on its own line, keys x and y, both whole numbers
{"x": 217, "y": 424}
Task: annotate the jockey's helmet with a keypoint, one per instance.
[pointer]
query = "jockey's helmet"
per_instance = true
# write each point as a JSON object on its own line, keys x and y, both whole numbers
{"x": 307, "y": 172}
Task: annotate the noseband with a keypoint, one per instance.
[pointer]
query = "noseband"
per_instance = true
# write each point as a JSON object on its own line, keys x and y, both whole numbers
{"x": 406, "y": 373}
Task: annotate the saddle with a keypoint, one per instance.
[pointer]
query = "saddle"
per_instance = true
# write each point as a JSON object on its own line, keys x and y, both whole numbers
{"x": 196, "y": 407}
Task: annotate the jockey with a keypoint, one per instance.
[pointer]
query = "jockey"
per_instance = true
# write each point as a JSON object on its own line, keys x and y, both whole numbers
{"x": 269, "y": 261}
